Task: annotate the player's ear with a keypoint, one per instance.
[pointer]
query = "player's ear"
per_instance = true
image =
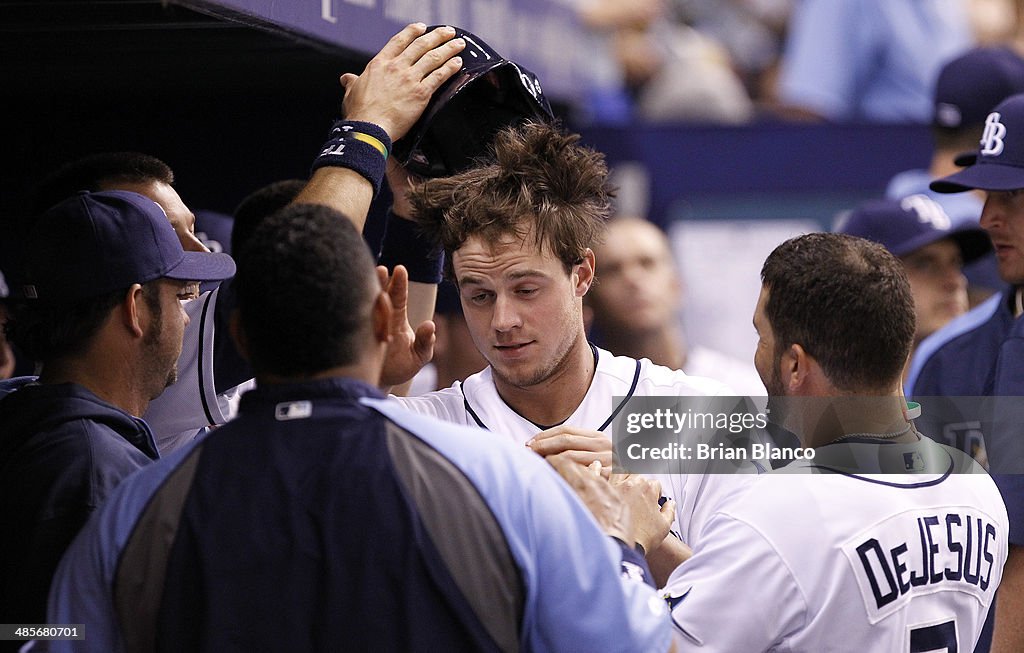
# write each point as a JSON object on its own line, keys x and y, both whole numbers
{"x": 238, "y": 334}
{"x": 584, "y": 272}
{"x": 130, "y": 311}
{"x": 794, "y": 366}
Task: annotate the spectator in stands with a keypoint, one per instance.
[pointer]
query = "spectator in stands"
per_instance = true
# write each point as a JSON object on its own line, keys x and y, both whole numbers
{"x": 669, "y": 71}
{"x": 101, "y": 313}
{"x": 637, "y": 299}
{"x": 869, "y": 60}
{"x": 932, "y": 249}
{"x": 481, "y": 546}
{"x": 751, "y": 30}
{"x": 967, "y": 89}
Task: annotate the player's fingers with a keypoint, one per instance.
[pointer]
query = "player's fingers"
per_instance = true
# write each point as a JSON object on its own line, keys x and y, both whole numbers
{"x": 566, "y": 467}
{"x": 347, "y": 79}
{"x": 567, "y": 441}
{"x": 382, "y": 276}
{"x": 398, "y": 43}
{"x": 668, "y": 510}
{"x": 425, "y": 43}
{"x": 438, "y": 57}
{"x": 652, "y": 487}
{"x": 398, "y": 289}
{"x": 423, "y": 345}
{"x": 586, "y": 458}
{"x": 565, "y": 429}
{"x": 433, "y": 81}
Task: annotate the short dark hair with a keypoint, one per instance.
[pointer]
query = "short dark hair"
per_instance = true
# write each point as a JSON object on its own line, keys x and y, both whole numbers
{"x": 538, "y": 175}
{"x": 93, "y": 171}
{"x": 48, "y": 332}
{"x": 258, "y": 205}
{"x": 304, "y": 288}
{"x": 847, "y": 302}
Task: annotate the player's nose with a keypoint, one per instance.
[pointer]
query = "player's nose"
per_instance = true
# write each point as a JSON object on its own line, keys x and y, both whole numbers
{"x": 506, "y": 315}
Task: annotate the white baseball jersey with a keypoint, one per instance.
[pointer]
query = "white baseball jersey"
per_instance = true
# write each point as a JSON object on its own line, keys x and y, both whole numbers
{"x": 476, "y": 402}
{"x": 836, "y": 561}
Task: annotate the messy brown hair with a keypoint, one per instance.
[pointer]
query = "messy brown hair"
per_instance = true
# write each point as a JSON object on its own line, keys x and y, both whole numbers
{"x": 538, "y": 176}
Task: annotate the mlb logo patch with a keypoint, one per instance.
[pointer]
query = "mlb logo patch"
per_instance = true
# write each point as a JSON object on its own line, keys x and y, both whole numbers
{"x": 293, "y": 410}
{"x": 913, "y": 462}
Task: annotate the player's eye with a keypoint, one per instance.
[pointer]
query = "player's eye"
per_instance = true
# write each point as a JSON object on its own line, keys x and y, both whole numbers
{"x": 189, "y": 291}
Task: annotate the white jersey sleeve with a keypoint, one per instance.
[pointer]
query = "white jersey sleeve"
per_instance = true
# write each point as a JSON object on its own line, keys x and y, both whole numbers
{"x": 735, "y": 594}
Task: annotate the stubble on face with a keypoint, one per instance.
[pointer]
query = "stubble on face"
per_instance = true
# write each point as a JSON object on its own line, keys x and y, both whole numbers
{"x": 535, "y": 287}
{"x": 162, "y": 344}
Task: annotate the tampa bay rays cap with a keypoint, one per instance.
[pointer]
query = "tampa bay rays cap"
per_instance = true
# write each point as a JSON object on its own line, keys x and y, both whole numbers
{"x": 96, "y": 243}
{"x": 488, "y": 93}
{"x": 999, "y": 163}
{"x": 905, "y": 226}
{"x": 969, "y": 86}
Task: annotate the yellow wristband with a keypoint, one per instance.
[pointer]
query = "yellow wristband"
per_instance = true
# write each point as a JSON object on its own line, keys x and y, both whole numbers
{"x": 366, "y": 138}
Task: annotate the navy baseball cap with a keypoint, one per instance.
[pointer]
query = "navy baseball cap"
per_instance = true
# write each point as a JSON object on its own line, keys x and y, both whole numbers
{"x": 96, "y": 243}
{"x": 970, "y": 85}
{"x": 999, "y": 163}
{"x": 904, "y": 226}
{"x": 487, "y": 94}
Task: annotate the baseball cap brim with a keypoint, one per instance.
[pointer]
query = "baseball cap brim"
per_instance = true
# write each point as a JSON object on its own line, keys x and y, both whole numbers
{"x": 981, "y": 176}
{"x": 965, "y": 159}
{"x": 202, "y": 266}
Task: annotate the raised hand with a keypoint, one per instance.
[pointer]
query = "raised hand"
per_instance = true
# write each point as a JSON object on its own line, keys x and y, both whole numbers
{"x": 408, "y": 349}
{"x": 396, "y": 85}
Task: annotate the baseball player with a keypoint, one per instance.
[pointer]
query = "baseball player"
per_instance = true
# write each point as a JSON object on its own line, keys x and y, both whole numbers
{"x": 516, "y": 235}
{"x": 978, "y": 355}
{"x": 932, "y": 249}
{"x": 886, "y": 540}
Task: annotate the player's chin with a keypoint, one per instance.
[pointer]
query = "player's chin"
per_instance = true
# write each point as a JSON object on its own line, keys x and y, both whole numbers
{"x": 520, "y": 374}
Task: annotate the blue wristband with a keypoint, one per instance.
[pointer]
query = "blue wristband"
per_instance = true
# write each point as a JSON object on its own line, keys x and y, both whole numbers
{"x": 359, "y": 146}
{"x": 404, "y": 245}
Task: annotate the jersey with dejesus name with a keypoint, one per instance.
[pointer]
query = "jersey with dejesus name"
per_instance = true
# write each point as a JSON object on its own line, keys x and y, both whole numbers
{"x": 616, "y": 379}
{"x": 828, "y": 560}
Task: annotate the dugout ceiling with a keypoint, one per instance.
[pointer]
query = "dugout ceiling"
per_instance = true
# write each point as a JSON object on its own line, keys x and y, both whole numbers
{"x": 229, "y": 106}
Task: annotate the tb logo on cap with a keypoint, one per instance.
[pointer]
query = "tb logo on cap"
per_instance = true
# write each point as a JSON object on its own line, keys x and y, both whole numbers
{"x": 992, "y": 137}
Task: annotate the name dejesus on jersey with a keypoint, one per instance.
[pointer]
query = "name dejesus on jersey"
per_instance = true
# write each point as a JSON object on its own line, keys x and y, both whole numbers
{"x": 924, "y": 552}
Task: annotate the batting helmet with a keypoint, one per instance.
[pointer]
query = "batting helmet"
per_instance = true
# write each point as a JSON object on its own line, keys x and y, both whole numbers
{"x": 462, "y": 117}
